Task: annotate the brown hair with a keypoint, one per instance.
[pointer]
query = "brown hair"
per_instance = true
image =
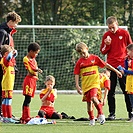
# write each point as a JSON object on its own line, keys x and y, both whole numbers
{"x": 50, "y": 77}
{"x": 5, "y": 48}
{"x": 13, "y": 16}
{"x": 111, "y": 20}
{"x": 80, "y": 46}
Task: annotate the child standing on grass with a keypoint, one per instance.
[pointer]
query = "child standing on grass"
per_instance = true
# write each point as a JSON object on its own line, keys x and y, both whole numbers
{"x": 7, "y": 29}
{"x": 7, "y": 63}
{"x": 87, "y": 68}
{"x": 29, "y": 84}
{"x": 48, "y": 96}
{"x": 104, "y": 84}
{"x": 128, "y": 72}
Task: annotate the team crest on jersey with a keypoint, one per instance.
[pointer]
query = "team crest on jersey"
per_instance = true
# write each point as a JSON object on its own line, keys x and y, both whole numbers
{"x": 120, "y": 37}
{"x": 92, "y": 61}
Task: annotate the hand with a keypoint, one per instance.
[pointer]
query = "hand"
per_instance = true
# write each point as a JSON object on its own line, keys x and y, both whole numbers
{"x": 119, "y": 74}
{"x": 39, "y": 70}
{"x": 50, "y": 88}
{"x": 122, "y": 72}
{"x": 121, "y": 69}
{"x": 107, "y": 41}
{"x": 79, "y": 90}
{"x": 15, "y": 53}
{"x": 104, "y": 102}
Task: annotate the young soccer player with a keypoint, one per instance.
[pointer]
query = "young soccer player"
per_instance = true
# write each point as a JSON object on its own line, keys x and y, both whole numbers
{"x": 104, "y": 84}
{"x": 128, "y": 72}
{"x": 48, "y": 96}
{"x": 29, "y": 84}
{"x": 87, "y": 68}
{"x": 7, "y": 63}
{"x": 7, "y": 29}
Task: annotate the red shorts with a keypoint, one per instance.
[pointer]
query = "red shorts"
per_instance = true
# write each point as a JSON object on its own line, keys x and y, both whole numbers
{"x": 7, "y": 94}
{"x": 48, "y": 110}
{"x": 89, "y": 94}
{"x": 29, "y": 86}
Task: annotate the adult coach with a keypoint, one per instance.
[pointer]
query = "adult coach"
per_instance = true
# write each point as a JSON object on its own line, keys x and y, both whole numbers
{"x": 7, "y": 29}
{"x": 114, "y": 44}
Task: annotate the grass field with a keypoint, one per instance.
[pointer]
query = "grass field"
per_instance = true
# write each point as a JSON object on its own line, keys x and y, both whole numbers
{"x": 73, "y": 106}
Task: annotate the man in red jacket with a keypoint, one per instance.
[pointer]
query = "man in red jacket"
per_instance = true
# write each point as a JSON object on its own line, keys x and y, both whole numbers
{"x": 7, "y": 29}
{"x": 113, "y": 45}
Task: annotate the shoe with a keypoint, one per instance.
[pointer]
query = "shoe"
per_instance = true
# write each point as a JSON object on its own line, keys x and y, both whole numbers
{"x": 1, "y": 119}
{"x": 92, "y": 122}
{"x": 130, "y": 120}
{"x": 101, "y": 119}
{"x": 111, "y": 117}
{"x": 5, "y": 120}
{"x": 10, "y": 120}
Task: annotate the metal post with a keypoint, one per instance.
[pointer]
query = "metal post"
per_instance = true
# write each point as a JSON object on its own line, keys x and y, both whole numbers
{"x": 104, "y": 12}
{"x": 33, "y": 20}
{"x": 105, "y": 20}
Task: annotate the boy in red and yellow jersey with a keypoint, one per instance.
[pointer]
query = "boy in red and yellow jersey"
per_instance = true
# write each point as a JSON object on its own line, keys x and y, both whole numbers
{"x": 48, "y": 96}
{"x": 7, "y": 63}
{"x": 29, "y": 84}
{"x": 87, "y": 68}
{"x": 104, "y": 84}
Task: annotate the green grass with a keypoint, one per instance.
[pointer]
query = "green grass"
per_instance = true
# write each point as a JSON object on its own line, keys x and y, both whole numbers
{"x": 73, "y": 106}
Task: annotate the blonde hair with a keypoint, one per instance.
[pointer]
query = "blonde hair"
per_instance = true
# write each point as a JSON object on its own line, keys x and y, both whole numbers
{"x": 13, "y": 16}
{"x": 6, "y": 48}
{"x": 50, "y": 77}
{"x": 80, "y": 46}
{"x": 111, "y": 20}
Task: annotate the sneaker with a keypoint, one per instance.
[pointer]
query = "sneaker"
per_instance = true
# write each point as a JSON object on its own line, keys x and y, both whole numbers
{"x": 5, "y": 120}
{"x": 101, "y": 119}
{"x": 130, "y": 120}
{"x": 1, "y": 119}
{"x": 92, "y": 122}
{"x": 11, "y": 120}
{"x": 111, "y": 117}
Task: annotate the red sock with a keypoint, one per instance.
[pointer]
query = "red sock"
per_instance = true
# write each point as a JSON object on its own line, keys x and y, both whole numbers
{"x": 9, "y": 111}
{"x": 99, "y": 109}
{"x": 91, "y": 114}
{"x": 26, "y": 113}
{"x": 4, "y": 110}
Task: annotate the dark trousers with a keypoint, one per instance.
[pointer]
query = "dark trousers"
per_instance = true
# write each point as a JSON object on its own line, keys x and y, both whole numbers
{"x": 131, "y": 99}
{"x": 111, "y": 94}
{"x": 1, "y": 75}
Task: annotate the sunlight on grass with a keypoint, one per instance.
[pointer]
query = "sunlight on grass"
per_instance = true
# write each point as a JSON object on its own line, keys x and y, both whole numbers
{"x": 73, "y": 106}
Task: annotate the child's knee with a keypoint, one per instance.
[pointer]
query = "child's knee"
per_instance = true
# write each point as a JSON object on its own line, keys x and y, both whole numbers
{"x": 41, "y": 113}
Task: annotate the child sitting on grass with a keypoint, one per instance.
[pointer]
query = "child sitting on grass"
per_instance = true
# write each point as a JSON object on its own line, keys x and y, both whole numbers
{"x": 48, "y": 96}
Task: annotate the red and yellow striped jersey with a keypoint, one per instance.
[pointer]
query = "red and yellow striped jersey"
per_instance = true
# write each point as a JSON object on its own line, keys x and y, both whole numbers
{"x": 8, "y": 73}
{"x": 87, "y": 68}
{"x": 51, "y": 97}
{"x": 30, "y": 65}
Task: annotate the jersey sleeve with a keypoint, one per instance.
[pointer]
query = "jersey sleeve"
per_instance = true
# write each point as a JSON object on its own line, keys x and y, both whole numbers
{"x": 51, "y": 97}
{"x": 30, "y": 65}
{"x": 77, "y": 68}
{"x": 100, "y": 62}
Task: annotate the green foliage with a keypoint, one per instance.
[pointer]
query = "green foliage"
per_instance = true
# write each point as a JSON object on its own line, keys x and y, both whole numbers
{"x": 58, "y": 55}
